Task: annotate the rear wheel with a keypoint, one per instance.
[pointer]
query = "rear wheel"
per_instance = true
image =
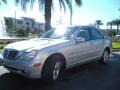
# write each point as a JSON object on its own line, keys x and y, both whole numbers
{"x": 51, "y": 70}
{"x": 105, "y": 57}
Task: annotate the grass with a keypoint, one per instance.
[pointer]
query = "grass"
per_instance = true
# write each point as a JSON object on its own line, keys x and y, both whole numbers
{"x": 116, "y": 45}
{"x": 1, "y": 47}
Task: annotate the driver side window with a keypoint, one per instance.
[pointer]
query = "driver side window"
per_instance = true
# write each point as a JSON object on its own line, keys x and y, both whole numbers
{"x": 84, "y": 33}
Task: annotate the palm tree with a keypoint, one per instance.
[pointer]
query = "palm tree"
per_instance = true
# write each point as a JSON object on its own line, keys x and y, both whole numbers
{"x": 98, "y": 23}
{"x": 117, "y": 23}
{"x": 47, "y": 5}
{"x": 3, "y": 1}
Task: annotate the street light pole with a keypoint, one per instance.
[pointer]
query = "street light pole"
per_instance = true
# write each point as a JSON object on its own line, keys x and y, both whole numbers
{"x": 15, "y": 22}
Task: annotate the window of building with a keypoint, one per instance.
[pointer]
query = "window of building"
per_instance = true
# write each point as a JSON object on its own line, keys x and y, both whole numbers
{"x": 20, "y": 22}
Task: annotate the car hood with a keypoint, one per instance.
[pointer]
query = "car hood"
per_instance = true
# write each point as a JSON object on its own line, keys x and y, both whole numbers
{"x": 38, "y": 43}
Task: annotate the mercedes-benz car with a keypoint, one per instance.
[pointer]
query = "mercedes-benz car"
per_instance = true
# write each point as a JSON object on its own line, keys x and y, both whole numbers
{"x": 56, "y": 50}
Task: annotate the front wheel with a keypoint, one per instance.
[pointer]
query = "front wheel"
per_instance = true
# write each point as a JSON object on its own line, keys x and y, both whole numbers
{"x": 105, "y": 57}
{"x": 51, "y": 70}
{"x": 56, "y": 70}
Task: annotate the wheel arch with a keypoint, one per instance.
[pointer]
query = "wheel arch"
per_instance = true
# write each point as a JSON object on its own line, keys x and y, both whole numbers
{"x": 107, "y": 48}
{"x": 58, "y": 56}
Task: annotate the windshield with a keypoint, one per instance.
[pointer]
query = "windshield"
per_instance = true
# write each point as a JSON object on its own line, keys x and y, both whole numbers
{"x": 63, "y": 33}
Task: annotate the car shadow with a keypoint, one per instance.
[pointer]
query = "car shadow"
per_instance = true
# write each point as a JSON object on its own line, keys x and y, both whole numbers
{"x": 11, "y": 81}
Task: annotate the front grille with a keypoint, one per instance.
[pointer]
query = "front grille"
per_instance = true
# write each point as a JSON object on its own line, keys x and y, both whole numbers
{"x": 10, "y": 53}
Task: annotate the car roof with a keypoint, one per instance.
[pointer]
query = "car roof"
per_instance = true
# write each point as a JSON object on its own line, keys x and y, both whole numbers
{"x": 83, "y": 26}
{"x": 80, "y": 26}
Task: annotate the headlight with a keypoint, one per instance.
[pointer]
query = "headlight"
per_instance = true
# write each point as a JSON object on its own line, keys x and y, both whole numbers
{"x": 29, "y": 55}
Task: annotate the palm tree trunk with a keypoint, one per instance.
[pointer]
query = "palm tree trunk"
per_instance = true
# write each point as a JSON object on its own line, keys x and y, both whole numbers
{"x": 117, "y": 28}
{"x": 71, "y": 19}
{"x": 48, "y": 4}
{"x": 107, "y": 25}
{"x": 71, "y": 13}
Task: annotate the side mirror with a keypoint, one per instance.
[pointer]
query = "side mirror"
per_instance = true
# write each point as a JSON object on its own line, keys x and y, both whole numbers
{"x": 79, "y": 39}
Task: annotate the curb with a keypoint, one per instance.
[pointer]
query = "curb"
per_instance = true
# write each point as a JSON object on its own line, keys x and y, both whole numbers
{"x": 115, "y": 50}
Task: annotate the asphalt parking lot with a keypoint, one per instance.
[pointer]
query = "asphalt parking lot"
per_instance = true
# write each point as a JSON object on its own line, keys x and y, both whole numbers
{"x": 91, "y": 76}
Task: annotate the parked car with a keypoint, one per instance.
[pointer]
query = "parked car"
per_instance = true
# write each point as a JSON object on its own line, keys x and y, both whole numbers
{"x": 56, "y": 50}
{"x": 117, "y": 35}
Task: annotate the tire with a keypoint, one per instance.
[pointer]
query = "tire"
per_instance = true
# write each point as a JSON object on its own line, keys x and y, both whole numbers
{"x": 105, "y": 57}
{"x": 51, "y": 70}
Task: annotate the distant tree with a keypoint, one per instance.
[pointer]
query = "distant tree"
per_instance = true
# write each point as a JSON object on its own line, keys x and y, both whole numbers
{"x": 117, "y": 23}
{"x": 46, "y": 6}
{"x": 110, "y": 32}
{"x": 98, "y": 23}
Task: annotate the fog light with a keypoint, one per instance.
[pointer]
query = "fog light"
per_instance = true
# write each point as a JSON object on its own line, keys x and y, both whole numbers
{"x": 36, "y": 65}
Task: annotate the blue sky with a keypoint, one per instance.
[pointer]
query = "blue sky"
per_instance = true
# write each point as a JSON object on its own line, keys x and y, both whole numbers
{"x": 91, "y": 10}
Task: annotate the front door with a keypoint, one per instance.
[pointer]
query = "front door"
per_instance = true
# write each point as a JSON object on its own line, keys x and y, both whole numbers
{"x": 81, "y": 49}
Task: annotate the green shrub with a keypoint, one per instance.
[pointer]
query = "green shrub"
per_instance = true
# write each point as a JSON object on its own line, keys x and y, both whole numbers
{"x": 114, "y": 39}
{"x": 110, "y": 33}
{"x": 20, "y": 33}
{"x": 2, "y": 46}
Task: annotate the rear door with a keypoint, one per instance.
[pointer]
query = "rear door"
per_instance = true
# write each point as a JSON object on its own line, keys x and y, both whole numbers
{"x": 97, "y": 42}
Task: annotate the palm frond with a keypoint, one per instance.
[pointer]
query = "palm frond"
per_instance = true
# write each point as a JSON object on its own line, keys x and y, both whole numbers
{"x": 78, "y": 2}
{"x": 62, "y": 5}
{"x": 4, "y": 1}
{"x": 23, "y": 3}
{"x": 17, "y": 2}
{"x": 32, "y": 3}
{"x": 69, "y": 4}
{"x": 41, "y": 4}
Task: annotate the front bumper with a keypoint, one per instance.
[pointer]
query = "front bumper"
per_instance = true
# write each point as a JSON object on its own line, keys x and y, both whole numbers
{"x": 22, "y": 67}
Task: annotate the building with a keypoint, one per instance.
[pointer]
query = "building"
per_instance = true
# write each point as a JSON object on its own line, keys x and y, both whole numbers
{"x": 39, "y": 26}
{"x": 27, "y": 23}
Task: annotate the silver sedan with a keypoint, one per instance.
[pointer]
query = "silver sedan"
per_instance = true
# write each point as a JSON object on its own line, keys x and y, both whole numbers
{"x": 62, "y": 48}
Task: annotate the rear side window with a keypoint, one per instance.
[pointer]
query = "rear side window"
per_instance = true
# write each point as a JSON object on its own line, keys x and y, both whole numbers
{"x": 96, "y": 34}
{"x": 101, "y": 35}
